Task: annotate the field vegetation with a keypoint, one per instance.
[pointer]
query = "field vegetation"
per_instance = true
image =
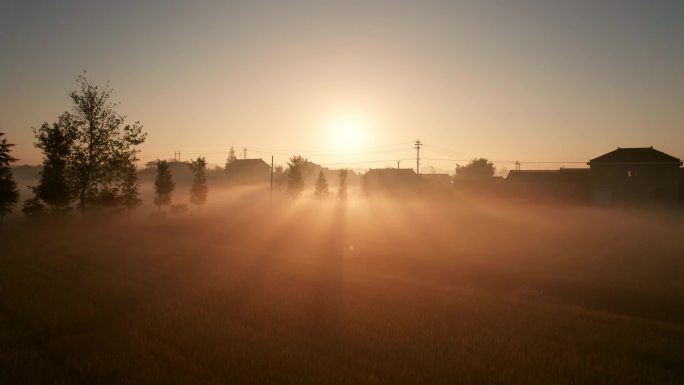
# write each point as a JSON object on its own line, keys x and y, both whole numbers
{"x": 362, "y": 291}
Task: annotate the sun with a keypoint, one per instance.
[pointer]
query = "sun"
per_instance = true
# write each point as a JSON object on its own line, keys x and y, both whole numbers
{"x": 347, "y": 133}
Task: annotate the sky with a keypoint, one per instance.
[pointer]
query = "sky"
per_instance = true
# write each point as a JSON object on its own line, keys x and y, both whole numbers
{"x": 354, "y": 83}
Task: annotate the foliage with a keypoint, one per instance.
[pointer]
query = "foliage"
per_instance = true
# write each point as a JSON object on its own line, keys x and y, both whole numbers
{"x": 9, "y": 193}
{"x": 199, "y": 189}
{"x": 55, "y": 143}
{"x": 130, "y": 194}
{"x": 290, "y": 303}
{"x": 295, "y": 180}
{"x": 163, "y": 184}
{"x": 342, "y": 191}
{"x": 103, "y": 148}
{"x": 279, "y": 176}
{"x": 231, "y": 157}
{"x": 479, "y": 168}
{"x": 33, "y": 208}
{"x": 322, "y": 189}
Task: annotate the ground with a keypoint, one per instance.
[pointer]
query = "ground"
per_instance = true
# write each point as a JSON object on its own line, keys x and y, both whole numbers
{"x": 372, "y": 292}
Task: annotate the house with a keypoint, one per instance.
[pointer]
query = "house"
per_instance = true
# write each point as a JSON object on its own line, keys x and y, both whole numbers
{"x": 248, "y": 171}
{"x": 631, "y": 175}
{"x": 397, "y": 180}
{"x": 565, "y": 184}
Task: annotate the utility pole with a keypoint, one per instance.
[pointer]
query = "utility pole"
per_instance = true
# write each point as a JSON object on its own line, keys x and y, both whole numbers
{"x": 398, "y": 164}
{"x": 244, "y": 153}
{"x": 417, "y": 146}
{"x": 271, "y": 178}
{"x": 517, "y": 165}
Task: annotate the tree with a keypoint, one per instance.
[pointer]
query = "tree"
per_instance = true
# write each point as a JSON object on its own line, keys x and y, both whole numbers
{"x": 295, "y": 181}
{"x": 199, "y": 189}
{"x": 163, "y": 184}
{"x": 9, "y": 193}
{"x": 54, "y": 188}
{"x": 103, "y": 149}
{"x": 342, "y": 191}
{"x": 322, "y": 190}
{"x": 130, "y": 195}
{"x": 477, "y": 169}
{"x": 33, "y": 208}
{"x": 231, "y": 157}
{"x": 279, "y": 175}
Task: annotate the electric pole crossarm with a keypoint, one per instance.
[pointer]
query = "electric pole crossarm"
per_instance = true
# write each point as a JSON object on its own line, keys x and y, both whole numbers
{"x": 417, "y": 146}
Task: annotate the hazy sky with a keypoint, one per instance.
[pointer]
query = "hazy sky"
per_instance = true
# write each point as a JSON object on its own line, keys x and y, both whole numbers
{"x": 509, "y": 80}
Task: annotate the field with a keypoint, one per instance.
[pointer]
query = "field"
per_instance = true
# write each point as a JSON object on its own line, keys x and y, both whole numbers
{"x": 374, "y": 291}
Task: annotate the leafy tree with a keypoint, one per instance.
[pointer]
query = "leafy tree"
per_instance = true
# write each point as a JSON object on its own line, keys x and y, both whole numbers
{"x": 342, "y": 191}
{"x": 322, "y": 190}
{"x": 231, "y": 157}
{"x": 295, "y": 181}
{"x": 130, "y": 195}
{"x": 103, "y": 148}
{"x": 279, "y": 175}
{"x": 9, "y": 193}
{"x": 54, "y": 188}
{"x": 480, "y": 168}
{"x": 199, "y": 189}
{"x": 163, "y": 185}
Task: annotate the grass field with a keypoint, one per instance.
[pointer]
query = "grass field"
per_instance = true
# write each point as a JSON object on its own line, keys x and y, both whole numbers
{"x": 371, "y": 292}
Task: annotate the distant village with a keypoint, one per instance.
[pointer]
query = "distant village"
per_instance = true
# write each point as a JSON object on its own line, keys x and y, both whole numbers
{"x": 625, "y": 175}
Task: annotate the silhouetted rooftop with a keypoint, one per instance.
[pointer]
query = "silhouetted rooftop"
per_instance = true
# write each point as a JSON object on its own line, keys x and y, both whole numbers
{"x": 246, "y": 162}
{"x": 636, "y": 155}
{"x": 395, "y": 172}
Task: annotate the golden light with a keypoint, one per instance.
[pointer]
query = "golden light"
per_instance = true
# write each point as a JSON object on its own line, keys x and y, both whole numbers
{"x": 348, "y": 133}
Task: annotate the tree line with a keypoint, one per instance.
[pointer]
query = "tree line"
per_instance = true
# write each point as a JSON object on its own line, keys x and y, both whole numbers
{"x": 90, "y": 155}
{"x": 89, "y": 160}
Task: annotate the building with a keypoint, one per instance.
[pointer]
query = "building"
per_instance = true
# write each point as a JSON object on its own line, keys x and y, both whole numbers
{"x": 394, "y": 180}
{"x": 565, "y": 184}
{"x": 635, "y": 175}
{"x": 248, "y": 171}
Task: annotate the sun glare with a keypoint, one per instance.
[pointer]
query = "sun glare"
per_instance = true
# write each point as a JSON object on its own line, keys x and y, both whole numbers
{"x": 348, "y": 133}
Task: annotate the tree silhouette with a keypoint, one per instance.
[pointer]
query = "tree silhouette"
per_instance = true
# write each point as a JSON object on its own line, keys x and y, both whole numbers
{"x": 130, "y": 195}
{"x": 54, "y": 188}
{"x": 279, "y": 175}
{"x": 9, "y": 193}
{"x": 231, "y": 157}
{"x": 322, "y": 189}
{"x": 342, "y": 191}
{"x": 199, "y": 189}
{"x": 479, "y": 168}
{"x": 295, "y": 181}
{"x": 163, "y": 185}
{"x": 33, "y": 208}
{"x": 103, "y": 148}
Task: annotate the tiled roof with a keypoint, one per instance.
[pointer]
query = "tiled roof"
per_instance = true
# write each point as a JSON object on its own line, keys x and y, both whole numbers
{"x": 636, "y": 155}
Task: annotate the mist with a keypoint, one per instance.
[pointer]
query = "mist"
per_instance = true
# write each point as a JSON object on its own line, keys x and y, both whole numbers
{"x": 261, "y": 288}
